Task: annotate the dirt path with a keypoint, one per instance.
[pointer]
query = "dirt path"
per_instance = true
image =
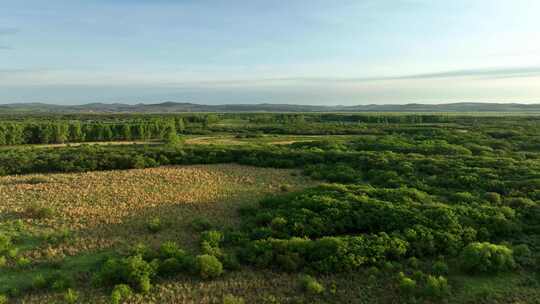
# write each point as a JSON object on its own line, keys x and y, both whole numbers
{"x": 99, "y": 143}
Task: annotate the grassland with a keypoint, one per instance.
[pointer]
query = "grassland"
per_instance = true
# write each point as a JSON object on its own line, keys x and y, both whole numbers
{"x": 412, "y": 209}
{"x": 104, "y": 211}
{"x": 91, "y": 215}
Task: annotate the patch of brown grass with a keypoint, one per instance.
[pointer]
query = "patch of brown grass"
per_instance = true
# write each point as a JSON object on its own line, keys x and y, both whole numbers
{"x": 109, "y": 209}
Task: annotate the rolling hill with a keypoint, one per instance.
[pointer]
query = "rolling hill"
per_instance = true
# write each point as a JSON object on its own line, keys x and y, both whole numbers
{"x": 176, "y": 107}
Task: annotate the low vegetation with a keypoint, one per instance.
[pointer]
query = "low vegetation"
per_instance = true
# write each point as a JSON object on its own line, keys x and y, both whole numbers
{"x": 374, "y": 209}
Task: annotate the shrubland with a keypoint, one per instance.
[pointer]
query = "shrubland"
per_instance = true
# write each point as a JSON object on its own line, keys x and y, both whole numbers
{"x": 410, "y": 205}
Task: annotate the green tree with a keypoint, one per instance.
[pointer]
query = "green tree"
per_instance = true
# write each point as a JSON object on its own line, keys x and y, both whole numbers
{"x": 169, "y": 135}
{"x": 75, "y": 132}
{"x": 138, "y": 131}
{"x": 2, "y": 136}
{"x": 180, "y": 124}
{"x": 125, "y": 132}
{"x": 59, "y": 133}
{"x": 107, "y": 132}
{"x": 45, "y": 133}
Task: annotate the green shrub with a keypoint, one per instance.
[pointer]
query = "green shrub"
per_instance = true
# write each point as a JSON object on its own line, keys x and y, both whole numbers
{"x": 310, "y": 285}
{"x": 493, "y": 197}
{"x": 373, "y": 271}
{"x": 207, "y": 248}
{"x": 418, "y": 276}
{"x": 440, "y": 268}
{"x": 3, "y": 299}
{"x": 212, "y": 237}
{"x": 406, "y": 284}
{"x": 23, "y": 262}
{"x": 5, "y": 243}
{"x": 201, "y": 224}
{"x": 284, "y": 188}
{"x": 414, "y": 263}
{"x": 13, "y": 252}
{"x": 144, "y": 251}
{"x": 520, "y": 202}
{"x": 39, "y": 282}
{"x": 523, "y": 255}
{"x": 328, "y": 254}
{"x": 132, "y": 270}
{"x": 210, "y": 243}
{"x": 278, "y": 222}
{"x": 120, "y": 292}
{"x": 230, "y": 261}
{"x": 436, "y": 287}
{"x": 71, "y": 296}
{"x": 170, "y": 266}
{"x": 154, "y": 225}
{"x": 60, "y": 281}
{"x": 3, "y": 261}
{"x": 235, "y": 238}
{"x": 487, "y": 258}
{"x": 144, "y": 285}
{"x": 387, "y": 265}
{"x": 209, "y": 266}
{"x": 230, "y": 299}
{"x": 190, "y": 264}
{"x": 290, "y": 261}
{"x": 170, "y": 249}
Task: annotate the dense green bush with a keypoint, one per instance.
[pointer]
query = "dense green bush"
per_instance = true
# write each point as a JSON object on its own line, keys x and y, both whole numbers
{"x": 170, "y": 249}
{"x": 154, "y": 225}
{"x": 5, "y": 243}
{"x": 209, "y": 267}
{"x": 523, "y": 255}
{"x": 212, "y": 237}
{"x": 406, "y": 284}
{"x": 60, "y": 281}
{"x": 436, "y": 287}
{"x": 132, "y": 270}
{"x": 440, "y": 268}
{"x": 201, "y": 224}
{"x": 39, "y": 282}
{"x": 71, "y": 296}
{"x": 328, "y": 254}
{"x": 310, "y": 285}
{"x": 120, "y": 292}
{"x": 430, "y": 228}
{"x": 486, "y": 257}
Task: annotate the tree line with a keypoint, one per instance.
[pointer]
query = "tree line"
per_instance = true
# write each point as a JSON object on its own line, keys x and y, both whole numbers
{"x": 58, "y": 132}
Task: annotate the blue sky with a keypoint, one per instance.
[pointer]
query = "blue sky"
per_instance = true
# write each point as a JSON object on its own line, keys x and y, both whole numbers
{"x": 254, "y": 51}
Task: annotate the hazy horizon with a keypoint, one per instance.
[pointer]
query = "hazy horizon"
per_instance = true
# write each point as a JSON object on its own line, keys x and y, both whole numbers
{"x": 304, "y": 52}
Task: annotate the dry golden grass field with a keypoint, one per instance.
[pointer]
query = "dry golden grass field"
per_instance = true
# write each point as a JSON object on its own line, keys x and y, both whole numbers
{"x": 108, "y": 208}
{"x": 103, "y": 211}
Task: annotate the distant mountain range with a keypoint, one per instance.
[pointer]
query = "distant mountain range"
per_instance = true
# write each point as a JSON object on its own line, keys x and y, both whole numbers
{"x": 176, "y": 107}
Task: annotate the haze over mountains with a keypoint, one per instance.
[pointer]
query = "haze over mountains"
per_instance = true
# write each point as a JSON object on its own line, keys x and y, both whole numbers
{"x": 177, "y": 107}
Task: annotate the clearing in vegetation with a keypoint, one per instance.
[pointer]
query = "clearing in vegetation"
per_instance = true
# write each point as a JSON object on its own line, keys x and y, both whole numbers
{"x": 78, "y": 218}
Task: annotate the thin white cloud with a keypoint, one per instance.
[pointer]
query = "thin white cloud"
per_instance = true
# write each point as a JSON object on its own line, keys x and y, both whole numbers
{"x": 47, "y": 76}
{"x": 8, "y": 31}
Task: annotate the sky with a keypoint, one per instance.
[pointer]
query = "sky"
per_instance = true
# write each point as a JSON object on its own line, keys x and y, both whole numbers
{"x": 319, "y": 52}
